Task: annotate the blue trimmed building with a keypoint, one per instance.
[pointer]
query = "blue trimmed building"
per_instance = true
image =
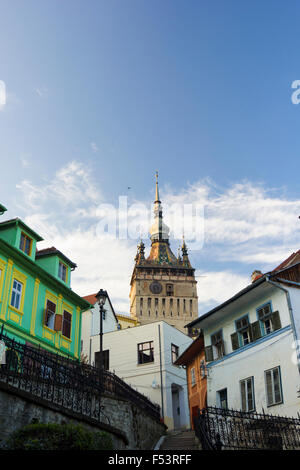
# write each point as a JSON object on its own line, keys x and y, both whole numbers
{"x": 252, "y": 344}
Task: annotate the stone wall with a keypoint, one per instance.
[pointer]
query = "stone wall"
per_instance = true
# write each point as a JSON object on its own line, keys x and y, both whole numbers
{"x": 129, "y": 427}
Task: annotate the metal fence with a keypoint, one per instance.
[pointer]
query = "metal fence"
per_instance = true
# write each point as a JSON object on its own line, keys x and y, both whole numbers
{"x": 67, "y": 383}
{"x": 219, "y": 429}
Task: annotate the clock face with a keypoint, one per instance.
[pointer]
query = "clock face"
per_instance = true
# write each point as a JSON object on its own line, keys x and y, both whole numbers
{"x": 156, "y": 287}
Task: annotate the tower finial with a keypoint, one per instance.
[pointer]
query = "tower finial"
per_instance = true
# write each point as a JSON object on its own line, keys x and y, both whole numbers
{"x": 156, "y": 188}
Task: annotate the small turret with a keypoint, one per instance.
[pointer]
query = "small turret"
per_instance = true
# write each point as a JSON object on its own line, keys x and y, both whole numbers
{"x": 184, "y": 250}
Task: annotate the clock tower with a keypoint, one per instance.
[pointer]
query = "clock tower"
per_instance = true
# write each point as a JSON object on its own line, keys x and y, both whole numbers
{"x": 163, "y": 286}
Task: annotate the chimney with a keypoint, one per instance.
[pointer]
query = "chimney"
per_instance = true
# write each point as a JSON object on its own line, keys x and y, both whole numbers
{"x": 256, "y": 275}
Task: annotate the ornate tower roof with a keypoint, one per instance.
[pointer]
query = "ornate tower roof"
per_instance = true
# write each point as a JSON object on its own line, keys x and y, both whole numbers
{"x": 161, "y": 253}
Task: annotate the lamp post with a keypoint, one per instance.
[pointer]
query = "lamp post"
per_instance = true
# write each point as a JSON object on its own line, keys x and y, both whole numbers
{"x": 101, "y": 298}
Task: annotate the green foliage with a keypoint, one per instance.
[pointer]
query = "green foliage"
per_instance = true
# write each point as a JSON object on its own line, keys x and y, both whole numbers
{"x": 40, "y": 436}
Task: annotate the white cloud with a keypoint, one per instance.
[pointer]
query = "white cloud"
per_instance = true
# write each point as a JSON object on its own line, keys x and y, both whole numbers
{"x": 24, "y": 158}
{"x": 214, "y": 287}
{"x": 41, "y": 91}
{"x": 94, "y": 147}
{"x": 71, "y": 187}
{"x": 245, "y": 223}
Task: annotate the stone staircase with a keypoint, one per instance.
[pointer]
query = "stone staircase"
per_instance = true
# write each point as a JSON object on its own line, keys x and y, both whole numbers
{"x": 180, "y": 440}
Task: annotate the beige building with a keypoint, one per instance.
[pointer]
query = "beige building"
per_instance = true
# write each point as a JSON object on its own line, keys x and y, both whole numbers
{"x": 163, "y": 287}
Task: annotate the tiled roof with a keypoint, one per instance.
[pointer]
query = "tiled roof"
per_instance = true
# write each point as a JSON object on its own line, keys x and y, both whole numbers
{"x": 90, "y": 298}
{"x": 53, "y": 251}
{"x": 292, "y": 259}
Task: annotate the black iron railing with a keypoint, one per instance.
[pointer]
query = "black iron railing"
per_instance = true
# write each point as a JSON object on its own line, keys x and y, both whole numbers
{"x": 230, "y": 429}
{"x": 67, "y": 383}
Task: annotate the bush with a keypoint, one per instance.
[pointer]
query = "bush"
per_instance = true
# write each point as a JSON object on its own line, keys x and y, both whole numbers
{"x": 58, "y": 437}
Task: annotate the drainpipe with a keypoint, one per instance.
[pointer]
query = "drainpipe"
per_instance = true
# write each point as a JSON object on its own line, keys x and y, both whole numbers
{"x": 161, "y": 376}
{"x": 288, "y": 298}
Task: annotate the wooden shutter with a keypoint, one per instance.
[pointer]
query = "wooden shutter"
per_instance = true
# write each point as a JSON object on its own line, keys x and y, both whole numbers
{"x": 58, "y": 322}
{"x": 235, "y": 341}
{"x": 209, "y": 354}
{"x": 255, "y": 330}
{"x": 243, "y": 395}
{"x": 50, "y": 310}
{"x": 275, "y": 319}
{"x": 269, "y": 388}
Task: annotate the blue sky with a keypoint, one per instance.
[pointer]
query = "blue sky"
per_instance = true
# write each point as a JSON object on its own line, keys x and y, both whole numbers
{"x": 100, "y": 94}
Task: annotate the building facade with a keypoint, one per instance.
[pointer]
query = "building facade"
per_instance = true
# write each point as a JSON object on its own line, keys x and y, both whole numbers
{"x": 90, "y": 341}
{"x": 37, "y": 304}
{"x": 193, "y": 359}
{"x": 144, "y": 357}
{"x": 163, "y": 287}
{"x": 251, "y": 345}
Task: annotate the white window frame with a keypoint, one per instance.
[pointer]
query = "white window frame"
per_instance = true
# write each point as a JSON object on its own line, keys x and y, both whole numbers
{"x": 245, "y": 382}
{"x": 17, "y": 294}
{"x": 278, "y": 402}
{"x": 62, "y": 268}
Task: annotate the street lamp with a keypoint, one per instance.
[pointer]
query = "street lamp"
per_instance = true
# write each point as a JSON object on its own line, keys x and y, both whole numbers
{"x": 101, "y": 298}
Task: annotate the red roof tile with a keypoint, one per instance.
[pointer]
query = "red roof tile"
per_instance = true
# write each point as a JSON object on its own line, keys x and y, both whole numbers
{"x": 292, "y": 259}
{"x": 90, "y": 298}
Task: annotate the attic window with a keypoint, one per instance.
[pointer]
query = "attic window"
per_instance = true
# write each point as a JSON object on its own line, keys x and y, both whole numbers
{"x": 243, "y": 328}
{"x": 62, "y": 271}
{"x": 25, "y": 244}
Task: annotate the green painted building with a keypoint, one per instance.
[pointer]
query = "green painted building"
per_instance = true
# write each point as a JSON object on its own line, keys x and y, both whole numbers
{"x": 37, "y": 304}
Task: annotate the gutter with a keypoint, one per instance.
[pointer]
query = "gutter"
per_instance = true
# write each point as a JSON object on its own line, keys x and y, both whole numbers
{"x": 291, "y": 313}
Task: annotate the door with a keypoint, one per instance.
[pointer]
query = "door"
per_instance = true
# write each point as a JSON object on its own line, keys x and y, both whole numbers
{"x": 176, "y": 408}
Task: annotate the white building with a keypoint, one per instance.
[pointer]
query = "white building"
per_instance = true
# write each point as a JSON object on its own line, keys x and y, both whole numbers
{"x": 250, "y": 344}
{"x": 90, "y": 327}
{"x": 143, "y": 357}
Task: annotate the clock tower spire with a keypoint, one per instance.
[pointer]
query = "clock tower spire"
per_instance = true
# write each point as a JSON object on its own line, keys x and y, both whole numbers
{"x": 163, "y": 286}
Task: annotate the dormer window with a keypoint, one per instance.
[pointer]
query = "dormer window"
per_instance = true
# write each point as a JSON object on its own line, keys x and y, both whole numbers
{"x": 62, "y": 271}
{"x": 217, "y": 349}
{"x": 170, "y": 290}
{"x": 25, "y": 244}
{"x": 243, "y": 329}
{"x": 270, "y": 321}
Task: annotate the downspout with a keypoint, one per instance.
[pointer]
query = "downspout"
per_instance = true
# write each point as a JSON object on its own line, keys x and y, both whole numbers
{"x": 161, "y": 376}
{"x": 288, "y": 298}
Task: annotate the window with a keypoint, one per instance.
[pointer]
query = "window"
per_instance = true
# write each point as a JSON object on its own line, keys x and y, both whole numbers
{"x": 16, "y": 294}
{"x": 62, "y": 271}
{"x": 191, "y": 306}
{"x": 202, "y": 369}
{"x": 105, "y": 359}
{"x": 193, "y": 377}
{"x": 156, "y": 303}
{"x": 243, "y": 329}
{"x": 178, "y": 305}
{"x": 171, "y": 303}
{"x": 175, "y": 352}
{"x": 170, "y": 290}
{"x": 264, "y": 315}
{"x": 184, "y": 305}
{"x": 149, "y": 302}
{"x": 222, "y": 399}
{"x": 247, "y": 394}
{"x": 273, "y": 386}
{"x": 25, "y": 244}
{"x": 141, "y": 306}
{"x": 50, "y": 314}
{"x": 66, "y": 324}
{"x": 269, "y": 321}
{"x": 217, "y": 345}
{"x": 163, "y": 303}
{"x": 145, "y": 352}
